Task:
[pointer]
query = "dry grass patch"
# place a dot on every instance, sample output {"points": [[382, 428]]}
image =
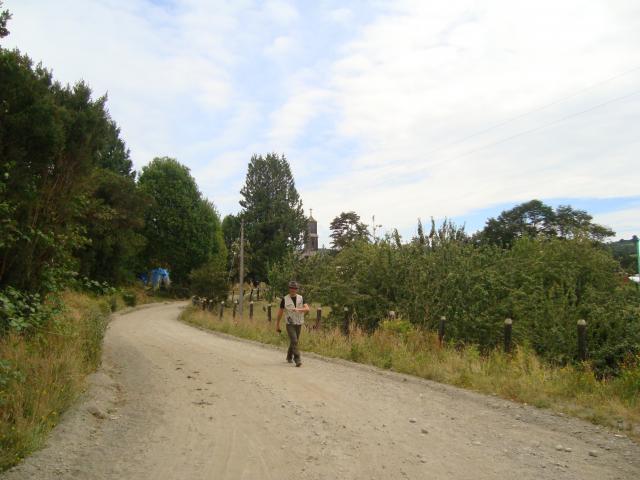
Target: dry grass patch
{"points": [[43, 373]]}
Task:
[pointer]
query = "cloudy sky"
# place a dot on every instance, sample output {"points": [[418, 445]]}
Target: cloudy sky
{"points": [[398, 109]]}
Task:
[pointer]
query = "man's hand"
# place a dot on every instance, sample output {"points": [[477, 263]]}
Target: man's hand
{"points": [[278, 328], [304, 309]]}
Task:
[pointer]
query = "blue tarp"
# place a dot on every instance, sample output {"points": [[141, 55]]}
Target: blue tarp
{"points": [[158, 276]]}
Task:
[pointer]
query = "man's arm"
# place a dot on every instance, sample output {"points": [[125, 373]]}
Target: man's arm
{"points": [[304, 309]]}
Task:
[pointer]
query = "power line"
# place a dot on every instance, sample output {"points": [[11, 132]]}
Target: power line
{"points": [[534, 110], [542, 127]]}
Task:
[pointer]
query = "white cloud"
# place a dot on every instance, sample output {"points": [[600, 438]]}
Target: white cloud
{"points": [[282, 12], [428, 73], [281, 46], [370, 116], [289, 121], [625, 222], [155, 64], [341, 15]]}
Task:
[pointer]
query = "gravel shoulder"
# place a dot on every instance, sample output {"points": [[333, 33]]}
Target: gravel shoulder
{"points": [[173, 402]]}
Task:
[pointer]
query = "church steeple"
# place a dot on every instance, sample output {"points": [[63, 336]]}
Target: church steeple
{"points": [[311, 241]]}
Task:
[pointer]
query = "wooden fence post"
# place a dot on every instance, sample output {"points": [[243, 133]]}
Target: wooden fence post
{"points": [[269, 312], [345, 324], [508, 324], [251, 308], [582, 340], [441, 329], [235, 307], [204, 303], [318, 317], [221, 310]]}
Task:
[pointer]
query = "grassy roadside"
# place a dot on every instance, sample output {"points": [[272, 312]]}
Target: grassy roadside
{"points": [[42, 374], [521, 377]]}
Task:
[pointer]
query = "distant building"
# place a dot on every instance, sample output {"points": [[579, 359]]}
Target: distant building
{"points": [[311, 239]]}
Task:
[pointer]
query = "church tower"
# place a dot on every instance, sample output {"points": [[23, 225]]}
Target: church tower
{"points": [[311, 242]]}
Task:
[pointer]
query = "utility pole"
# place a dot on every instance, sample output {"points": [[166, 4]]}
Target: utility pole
{"points": [[374, 227], [637, 240], [241, 275]]}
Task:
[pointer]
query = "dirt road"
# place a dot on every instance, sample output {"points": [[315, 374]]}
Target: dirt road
{"points": [[174, 402]]}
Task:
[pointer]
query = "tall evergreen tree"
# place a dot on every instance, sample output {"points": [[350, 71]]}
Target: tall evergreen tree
{"points": [[5, 16], [49, 139], [272, 210]]}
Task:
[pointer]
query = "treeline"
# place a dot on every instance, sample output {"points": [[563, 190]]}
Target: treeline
{"points": [[543, 271], [73, 212]]}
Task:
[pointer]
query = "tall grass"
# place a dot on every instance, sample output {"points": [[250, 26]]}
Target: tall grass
{"points": [[521, 376], [43, 373]]}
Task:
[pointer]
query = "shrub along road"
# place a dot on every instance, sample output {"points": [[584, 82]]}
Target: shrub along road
{"points": [[173, 402]]}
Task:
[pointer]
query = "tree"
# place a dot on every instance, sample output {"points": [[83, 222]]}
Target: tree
{"points": [[49, 139], [346, 229], [5, 16], [571, 223], [182, 228], [114, 224], [272, 210], [230, 229], [114, 154], [210, 280], [536, 219]]}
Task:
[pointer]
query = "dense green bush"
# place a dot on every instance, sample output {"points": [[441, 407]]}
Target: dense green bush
{"points": [[544, 285], [211, 280]]}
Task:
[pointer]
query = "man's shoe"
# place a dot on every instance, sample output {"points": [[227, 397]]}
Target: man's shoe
{"points": [[298, 364], [289, 360]]}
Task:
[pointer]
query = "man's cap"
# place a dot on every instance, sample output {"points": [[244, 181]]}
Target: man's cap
{"points": [[293, 284]]}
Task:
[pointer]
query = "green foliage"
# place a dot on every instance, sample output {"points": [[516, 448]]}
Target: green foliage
{"points": [[5, 16], [210, 280], [129, 299], [347, 228], [398, 326], [544, 285], [113, 222], [49, 139], [626, 252], [536, 219], [21, 312], [231, 230], [272, 211], [95, 287], [183, 228]]}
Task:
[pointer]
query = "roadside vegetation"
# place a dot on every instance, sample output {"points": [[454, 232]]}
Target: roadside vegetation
{"points": [[42, 373], [402, 347]]}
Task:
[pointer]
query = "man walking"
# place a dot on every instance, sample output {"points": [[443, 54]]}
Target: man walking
{"points": [[295, 309]]}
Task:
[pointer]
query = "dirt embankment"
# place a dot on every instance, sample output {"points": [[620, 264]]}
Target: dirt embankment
{"points": [[174, 402]]}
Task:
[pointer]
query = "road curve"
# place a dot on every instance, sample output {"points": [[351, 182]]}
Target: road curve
{"points": [[174, 402]]}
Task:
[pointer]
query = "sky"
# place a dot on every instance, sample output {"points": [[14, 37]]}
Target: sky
{"points": [[400, 109]]}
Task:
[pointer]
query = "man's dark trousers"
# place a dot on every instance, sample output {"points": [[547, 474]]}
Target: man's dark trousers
{"points": [[294, 336]]}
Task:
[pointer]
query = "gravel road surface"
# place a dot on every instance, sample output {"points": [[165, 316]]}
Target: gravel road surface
{"points": [[174, 402]]}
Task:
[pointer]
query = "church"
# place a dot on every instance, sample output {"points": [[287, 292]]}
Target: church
{"points": [[311, 237]]}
